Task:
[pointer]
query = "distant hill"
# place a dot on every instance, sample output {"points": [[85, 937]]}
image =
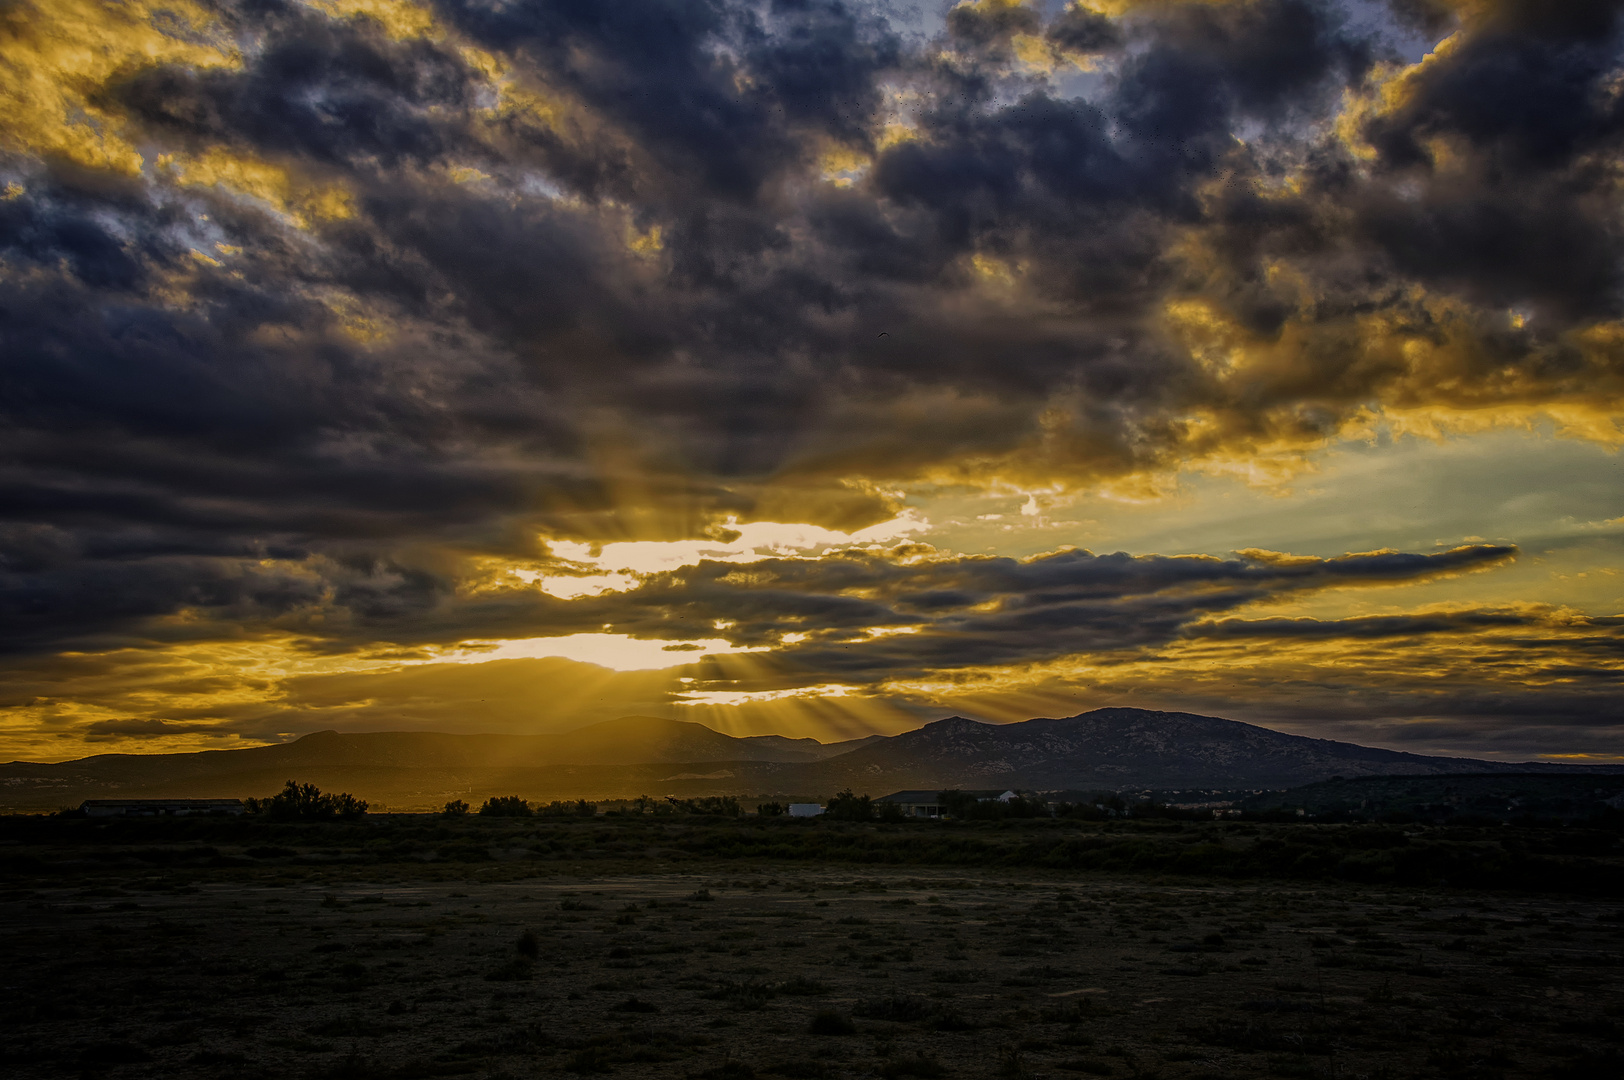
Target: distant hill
{"points": [[1113, 749], [1128, 748], [415, 765]]}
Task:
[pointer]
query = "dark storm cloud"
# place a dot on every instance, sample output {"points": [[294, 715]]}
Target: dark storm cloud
{"points": [[136, 728], [1081, 30], [381, 303], [332, 93], [1531, 104]]}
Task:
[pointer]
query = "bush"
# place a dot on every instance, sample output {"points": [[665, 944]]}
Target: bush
{"points": [[966, 807], [637, 1005], [901, 1008], [591, 1059], [505, 806], [578, 808], [307, 802], [456, 808], [772, 809], [849, 807], [921, 1065], [829, 1022], [714, 805]]}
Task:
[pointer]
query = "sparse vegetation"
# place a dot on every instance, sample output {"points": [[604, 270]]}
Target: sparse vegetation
{"points": [[674, 945], [711, 805], [831, 1022], [307, 802], [505, 806], [561, 808], [919, 1065]]}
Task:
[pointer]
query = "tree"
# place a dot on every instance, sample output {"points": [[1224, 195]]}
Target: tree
{"points": [[456, 808], [849, 807], [307, 802], [505, 806], [565, 808], [772, 809]]}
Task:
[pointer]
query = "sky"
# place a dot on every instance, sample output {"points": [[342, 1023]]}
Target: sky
{"points": [[810, 367]]}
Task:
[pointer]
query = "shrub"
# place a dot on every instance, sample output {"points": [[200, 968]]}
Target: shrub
{"points": [[966, 807], [591, 1059], [113, 1053], [714, 805], [743, 995], [505, 806], [902, 1008], [456, 808], [890, 813], [307, 802], [636, 1005], [564, 808], [772, 809], [519, 969], [922, 1065], [830, 1022], [727, 1070], [801, 986]]}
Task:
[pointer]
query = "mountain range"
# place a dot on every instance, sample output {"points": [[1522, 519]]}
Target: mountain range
{"points": [[1107, 749]]}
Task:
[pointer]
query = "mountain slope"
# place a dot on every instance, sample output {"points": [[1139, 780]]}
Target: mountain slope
{"points": [[433, 757], [1122, 748]]}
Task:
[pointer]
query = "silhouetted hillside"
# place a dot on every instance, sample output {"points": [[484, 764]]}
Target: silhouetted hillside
{"points": [[1127, 748], [418, 766], [1111, 749]]}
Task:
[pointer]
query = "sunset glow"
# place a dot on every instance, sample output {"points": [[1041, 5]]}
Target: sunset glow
{"points": [[815, 368]]}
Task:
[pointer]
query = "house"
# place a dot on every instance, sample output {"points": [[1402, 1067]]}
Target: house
{"points": [[928, 804], [804, 809], [159, 807], [920, 804]]}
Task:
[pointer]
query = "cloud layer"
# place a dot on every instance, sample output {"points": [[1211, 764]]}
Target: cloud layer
{"points": [[319, 319]]}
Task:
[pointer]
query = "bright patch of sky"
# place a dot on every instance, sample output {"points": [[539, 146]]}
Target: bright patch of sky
{"points": [[747, 697], [1561, 501], [614, 566], [617, 652]]}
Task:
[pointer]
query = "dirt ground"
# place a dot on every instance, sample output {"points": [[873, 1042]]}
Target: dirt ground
{"points": [[717, 970]]}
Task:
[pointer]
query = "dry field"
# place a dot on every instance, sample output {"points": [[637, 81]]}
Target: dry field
{"points": [[738, 969]]}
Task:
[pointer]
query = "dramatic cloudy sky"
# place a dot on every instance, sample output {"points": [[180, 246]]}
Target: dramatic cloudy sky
{"points": [[812, 366]]}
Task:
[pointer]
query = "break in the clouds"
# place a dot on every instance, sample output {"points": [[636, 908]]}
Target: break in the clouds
{"points": [[351, 330]]}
